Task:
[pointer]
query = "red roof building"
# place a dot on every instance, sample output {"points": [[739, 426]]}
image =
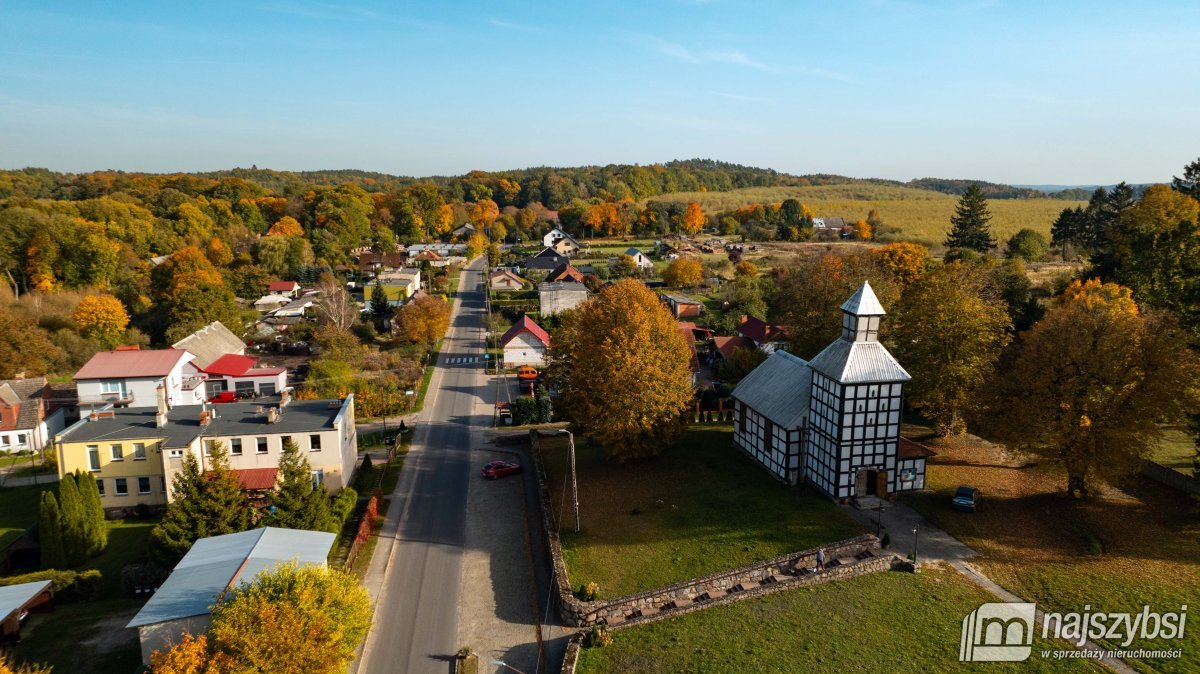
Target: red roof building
{"points": [[129, 364], [760, 332], [525, 325], [283, 287], [725, 346], [257, 479], [525, 343]]}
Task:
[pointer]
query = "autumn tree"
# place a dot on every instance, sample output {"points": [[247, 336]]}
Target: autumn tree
{"points": [[192, 294], [969, 225], [102, 318], [683, 272], [191, 656], [218, 253], [623, 369], [10, 666], [50, 533], [906, 262], [476, 245], [948, 330], [286, 226], [623, 266], [1091, 383], [204, 504], [292, 620], [424, 319], [25, 347], [862, 230], [335, 308], [1189, 184], [745, 269], [693, 219]]}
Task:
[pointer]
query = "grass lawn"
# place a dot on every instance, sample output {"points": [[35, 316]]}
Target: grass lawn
{"points": [[886, 622], [697, 508], [1118, 550], [1176, 451], [91, 636], [19, 510]]}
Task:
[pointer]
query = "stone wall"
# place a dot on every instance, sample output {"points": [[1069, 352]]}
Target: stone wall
{"points": [[571, 658], [1171, 478], [844, 559]]}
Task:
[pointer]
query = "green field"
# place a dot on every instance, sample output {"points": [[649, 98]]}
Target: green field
{"points": [[699, 507], [885, 622], [1176, 451], [921, 215], [19, 510]]}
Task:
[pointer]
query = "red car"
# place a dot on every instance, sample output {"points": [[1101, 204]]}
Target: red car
{"points": [[497, 469], [224, 397]]}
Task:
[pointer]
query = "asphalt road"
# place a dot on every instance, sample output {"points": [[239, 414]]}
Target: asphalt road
{"points": [[416, 614]]}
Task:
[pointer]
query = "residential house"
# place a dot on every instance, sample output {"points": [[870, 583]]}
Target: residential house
{"points": [[640, 258], [724, 346], [297, 308], [26, 420], [210, 343], [682, 306], [833, 422], [431, 257], [565, 272], [130, 378], [370, 263], [463, 232], [546, 260], [503, 279], [399, 286], [211, 568], [829, 223], [765, 337], [271, 302], [135, 453], [286, 288], [561, 242], [437, 254], [555, 298], [525, 343], [242, 375]]}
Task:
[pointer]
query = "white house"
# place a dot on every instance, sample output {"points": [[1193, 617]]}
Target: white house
{"points": [[561, 242], [835, 421], [242, 375], [286, 288], [270, 302], [525, 343], [25, 419], [214, 565], [504, 279], [130, 378], [640, 258]]}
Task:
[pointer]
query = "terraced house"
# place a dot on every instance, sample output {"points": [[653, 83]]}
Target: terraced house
{"points": [[135, 453]]}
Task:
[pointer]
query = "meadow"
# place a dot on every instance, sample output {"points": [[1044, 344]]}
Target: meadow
{"points": [[920, 215]]}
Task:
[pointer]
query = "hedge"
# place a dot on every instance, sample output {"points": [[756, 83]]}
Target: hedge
{"points": [[68, 585]]}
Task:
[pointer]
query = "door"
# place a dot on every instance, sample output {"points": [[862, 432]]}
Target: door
{"points": [[881, 480], [873, 482]]}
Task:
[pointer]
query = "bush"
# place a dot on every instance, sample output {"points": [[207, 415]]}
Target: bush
{"points": [[343, 505], [135, 576], [597, 637], [68, 585], [886, 540], [524, 411]]}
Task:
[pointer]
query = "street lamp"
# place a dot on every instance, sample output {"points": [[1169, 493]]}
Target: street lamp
{"points": [[501, 663]]}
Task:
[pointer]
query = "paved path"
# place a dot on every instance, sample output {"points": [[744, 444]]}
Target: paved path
{"points": [[934, 544]]}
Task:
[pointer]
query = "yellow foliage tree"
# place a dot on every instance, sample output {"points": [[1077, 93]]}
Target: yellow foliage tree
{"points": [[190, 656], [906, 262], [103, 318], [218, 253], [483, 213], [476, 245], [693, 219], [745, 269], [623, 369], [286, 226], [862, 230], [683, 272], [443, 219], [1092, 383], [424, 319]]}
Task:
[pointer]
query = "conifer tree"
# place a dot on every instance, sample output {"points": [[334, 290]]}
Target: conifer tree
{"points": [[379, 301], [291, 498], [182, 523], [50, 533], [74, 524], [95, 526], [970, 223], [223, 500]]}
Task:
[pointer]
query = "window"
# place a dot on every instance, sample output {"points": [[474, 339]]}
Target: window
{"points": [[100, 486], [314, 443], [3, 440], [21, 439], [117, 454], [139, 451], [113, 387], [121, 486], [162, 484], [175, 453], [262, 445], [318, 477], [235, 446], [143, 485], [93, 457], [266, 389], [284, 440], [244, 387]]}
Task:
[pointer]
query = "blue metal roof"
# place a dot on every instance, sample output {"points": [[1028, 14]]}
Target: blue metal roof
{"points": [[13, 597], [215, 564]]}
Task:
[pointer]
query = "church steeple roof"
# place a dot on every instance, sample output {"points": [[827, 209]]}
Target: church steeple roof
{"points": [[863, 302]]}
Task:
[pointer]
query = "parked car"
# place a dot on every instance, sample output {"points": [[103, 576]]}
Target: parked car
{"points": [[966, 499], [527, 373], [224, 397], [497, 469]]}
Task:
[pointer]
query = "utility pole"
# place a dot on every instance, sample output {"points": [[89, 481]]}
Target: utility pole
{"points": [[574, 483]]}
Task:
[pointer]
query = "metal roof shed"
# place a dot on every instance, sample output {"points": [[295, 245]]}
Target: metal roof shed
{"points": [[16, 599]]}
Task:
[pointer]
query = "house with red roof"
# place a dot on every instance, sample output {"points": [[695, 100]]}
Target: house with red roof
{"points": [[525, 343], [131, 377], [241, 374], [764, 336], [285, 288]]}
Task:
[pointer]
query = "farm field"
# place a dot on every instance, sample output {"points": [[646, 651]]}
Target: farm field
{"points": [[1120, 549], [921, 215], [885, 622], [697, 508]]}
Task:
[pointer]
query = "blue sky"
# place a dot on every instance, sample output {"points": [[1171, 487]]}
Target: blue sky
{"points": [[1023, 92]]}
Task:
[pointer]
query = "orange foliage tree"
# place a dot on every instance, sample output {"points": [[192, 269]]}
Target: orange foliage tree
{"points": [[907, 262], [103, 318], [684, 272], [693, 219], [424, 319], [286, 226]]}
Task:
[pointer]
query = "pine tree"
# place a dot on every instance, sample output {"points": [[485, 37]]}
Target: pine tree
{"points": [[182, 523], [74, 523], [95, 526], [970, 223], [50, 533], [223, 501], [318, 514], [291, 499], [379, 301]]}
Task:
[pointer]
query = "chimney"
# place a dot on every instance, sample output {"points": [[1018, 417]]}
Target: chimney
{"points": [[285, 397], [272, 415], [205, 415], [160, 417]]}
